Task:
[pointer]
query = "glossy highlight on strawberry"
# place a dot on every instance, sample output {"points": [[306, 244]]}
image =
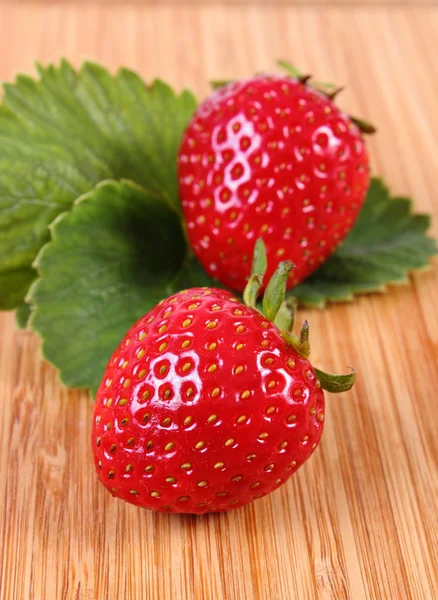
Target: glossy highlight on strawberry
{"points": [[270, 157], [204, 407]]}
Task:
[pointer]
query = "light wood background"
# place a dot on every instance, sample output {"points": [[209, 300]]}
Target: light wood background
{"points": [[360, 519]]}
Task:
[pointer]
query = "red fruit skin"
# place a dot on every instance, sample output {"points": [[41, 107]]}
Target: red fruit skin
{"points": [[272, 158], [203, 407]]}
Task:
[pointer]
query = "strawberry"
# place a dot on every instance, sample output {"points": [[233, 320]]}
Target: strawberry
{"points": [[206, 404], [270, 157]]}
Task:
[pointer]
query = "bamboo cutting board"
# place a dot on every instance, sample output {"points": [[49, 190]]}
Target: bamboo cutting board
{"points": [[360, 519]]}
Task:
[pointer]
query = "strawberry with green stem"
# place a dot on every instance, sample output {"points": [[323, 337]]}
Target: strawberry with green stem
{"points": [[271, 157], [207, 403]]}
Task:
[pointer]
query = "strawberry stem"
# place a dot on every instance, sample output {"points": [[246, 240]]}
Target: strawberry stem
{"points": [[281, 312]]}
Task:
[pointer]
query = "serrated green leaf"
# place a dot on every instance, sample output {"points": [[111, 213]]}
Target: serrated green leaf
{"points": [[385, 245], [61, 135], [111, 259]]}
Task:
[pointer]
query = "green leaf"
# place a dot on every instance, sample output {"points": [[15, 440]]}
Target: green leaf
{"points": [[111, 259], [387, 242], [191, 275], [22, 315], [64, 133]]}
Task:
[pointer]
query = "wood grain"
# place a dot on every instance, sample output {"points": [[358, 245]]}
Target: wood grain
{"points": [[360, 520]]}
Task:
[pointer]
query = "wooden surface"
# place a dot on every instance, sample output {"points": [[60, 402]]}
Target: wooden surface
{"points": [[360, 519]]}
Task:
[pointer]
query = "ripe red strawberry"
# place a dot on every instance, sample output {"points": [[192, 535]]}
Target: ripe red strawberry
{"points": [[204, 407], [270, 157]]}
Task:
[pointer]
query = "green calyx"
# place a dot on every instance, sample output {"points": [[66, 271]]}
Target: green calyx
{"points": [[329, 90], [336, 383], [281, 311]]}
